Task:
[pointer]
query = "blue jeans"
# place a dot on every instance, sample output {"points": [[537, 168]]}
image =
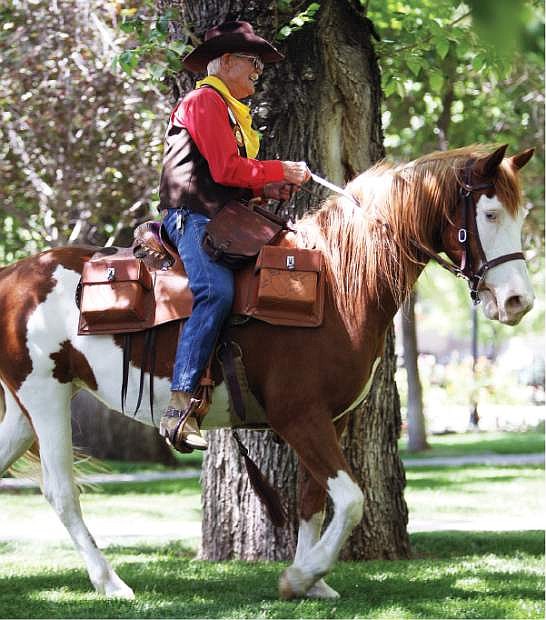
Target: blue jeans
{"points": [[212, 287]]}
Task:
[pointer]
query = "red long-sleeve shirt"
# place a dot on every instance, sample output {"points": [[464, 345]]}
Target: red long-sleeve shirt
{"points": [[203, 112]]}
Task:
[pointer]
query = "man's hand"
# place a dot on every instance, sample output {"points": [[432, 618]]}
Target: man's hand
{"points": [[279, 191], [295, 172]]}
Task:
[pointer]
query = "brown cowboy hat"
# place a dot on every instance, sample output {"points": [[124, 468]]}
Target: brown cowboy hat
{"points": [[227, 38]]}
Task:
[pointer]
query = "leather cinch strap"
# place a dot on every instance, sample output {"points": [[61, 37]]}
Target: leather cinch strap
{"points": [[147, 365], [227, 357]]}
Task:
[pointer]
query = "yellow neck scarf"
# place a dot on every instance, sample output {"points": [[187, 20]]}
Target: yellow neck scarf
{"points": [[241, 112]]}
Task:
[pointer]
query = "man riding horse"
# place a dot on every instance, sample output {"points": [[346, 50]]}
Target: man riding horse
{"points": [[210, 148]]}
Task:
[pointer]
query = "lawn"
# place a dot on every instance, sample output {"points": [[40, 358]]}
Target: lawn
{"points": [[150, 532], [455, 575], [474, 443]]}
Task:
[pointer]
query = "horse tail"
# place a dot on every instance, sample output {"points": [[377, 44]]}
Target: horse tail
{"points": [[2, 403], [28, 466]]}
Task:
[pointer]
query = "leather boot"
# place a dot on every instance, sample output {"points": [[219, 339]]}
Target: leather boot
{"points": [[179, 424]]}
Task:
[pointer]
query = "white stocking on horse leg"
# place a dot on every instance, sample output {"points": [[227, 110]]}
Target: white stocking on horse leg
{"points": [[308, 536], [309, 567], [52, 424]]}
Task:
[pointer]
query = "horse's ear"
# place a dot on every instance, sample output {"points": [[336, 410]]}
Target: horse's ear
{"points": [[519, 160], [487, 166]]}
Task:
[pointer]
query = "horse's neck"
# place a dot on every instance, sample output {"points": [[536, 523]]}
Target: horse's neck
{"points": [[378, 315]]}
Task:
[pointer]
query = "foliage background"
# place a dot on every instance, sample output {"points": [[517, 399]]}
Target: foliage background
{"points": [[84, 102]]}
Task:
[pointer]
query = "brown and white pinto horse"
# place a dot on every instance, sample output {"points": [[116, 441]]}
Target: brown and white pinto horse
{"points": [[306, 379]]}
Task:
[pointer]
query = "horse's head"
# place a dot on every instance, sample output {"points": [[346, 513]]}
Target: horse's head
{"points": [[486, 238]]}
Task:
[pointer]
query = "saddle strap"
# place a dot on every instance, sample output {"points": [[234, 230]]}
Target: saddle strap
{"points": [[148, 364], [227, 358], [267, 494]]}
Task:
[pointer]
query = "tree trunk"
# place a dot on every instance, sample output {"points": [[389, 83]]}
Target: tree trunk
{"points": [[106, 434], [321, 105], [417, 434], [370, 444], [234, 523]]}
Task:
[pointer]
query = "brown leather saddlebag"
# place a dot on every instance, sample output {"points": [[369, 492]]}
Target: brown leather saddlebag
{"points": [[286, 287], [115, 289], [237, 233]]}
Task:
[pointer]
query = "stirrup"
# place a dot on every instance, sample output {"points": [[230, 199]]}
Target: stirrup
{"points": [[172, 435]]}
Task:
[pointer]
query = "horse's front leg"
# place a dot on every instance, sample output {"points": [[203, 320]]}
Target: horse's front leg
{"points": [[312, 499], [315, 441], [48, 405]]}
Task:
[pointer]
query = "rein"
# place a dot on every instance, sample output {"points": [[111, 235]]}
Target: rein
{"points": [[474, 275], [338, 190]]}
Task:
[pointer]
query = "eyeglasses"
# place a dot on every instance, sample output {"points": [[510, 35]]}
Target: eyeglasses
{"points": [[255, 60]]}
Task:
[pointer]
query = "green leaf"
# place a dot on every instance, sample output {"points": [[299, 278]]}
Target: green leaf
{"points": [[479, 62], [389, 88], [180, 47], [174, 60], [284, 6], [162, 24], [156, 71], [128, 25], [442, 47], [414, 65], [128, 61], [284, 33], [436, 80]]}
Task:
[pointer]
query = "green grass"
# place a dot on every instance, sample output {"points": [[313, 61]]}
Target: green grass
{"points": [[463, 444], [455, 575], [190, 461], [485, 495], [460, 444]]}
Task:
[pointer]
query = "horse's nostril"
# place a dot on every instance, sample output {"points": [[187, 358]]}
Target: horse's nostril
{"points": [[517, 303]]}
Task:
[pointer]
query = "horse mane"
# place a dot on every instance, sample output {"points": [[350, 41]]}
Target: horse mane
{"points": [[370, 250]]}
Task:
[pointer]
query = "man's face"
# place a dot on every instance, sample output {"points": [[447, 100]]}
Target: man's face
{"points": [[242, 73]]}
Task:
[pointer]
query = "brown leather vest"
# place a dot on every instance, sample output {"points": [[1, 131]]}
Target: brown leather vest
{"points": [[186, 180]]}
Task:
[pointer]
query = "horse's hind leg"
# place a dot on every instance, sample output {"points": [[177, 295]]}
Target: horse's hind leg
{"points": [[50, 414], [317, 446], [16, 434]]}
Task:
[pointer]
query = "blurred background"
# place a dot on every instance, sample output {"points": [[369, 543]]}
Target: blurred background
{"points": [[85, 95]]}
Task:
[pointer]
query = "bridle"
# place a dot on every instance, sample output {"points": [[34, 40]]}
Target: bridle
{"points": [[474, 274]]}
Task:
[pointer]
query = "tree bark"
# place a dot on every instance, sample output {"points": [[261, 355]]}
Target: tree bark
{"points": [[321, 105], [106, 434], [417, 434]]}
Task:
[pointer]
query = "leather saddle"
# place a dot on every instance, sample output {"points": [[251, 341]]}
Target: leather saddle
{"points": [[124, 290]]}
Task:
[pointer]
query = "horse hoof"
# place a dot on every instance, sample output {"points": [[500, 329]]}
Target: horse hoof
{"points": [[125, 592], [117, 589], [321, 590], [291, 584]]}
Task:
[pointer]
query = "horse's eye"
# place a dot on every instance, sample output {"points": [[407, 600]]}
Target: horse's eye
{"points": [[491, 216]]}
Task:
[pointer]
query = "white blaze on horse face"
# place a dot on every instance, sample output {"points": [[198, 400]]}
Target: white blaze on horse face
{"points": [[508, 295]]}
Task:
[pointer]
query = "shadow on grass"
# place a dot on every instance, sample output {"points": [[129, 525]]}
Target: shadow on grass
{"points": [[470, 576], [453, 544], [184, 486], [449, 477]]}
